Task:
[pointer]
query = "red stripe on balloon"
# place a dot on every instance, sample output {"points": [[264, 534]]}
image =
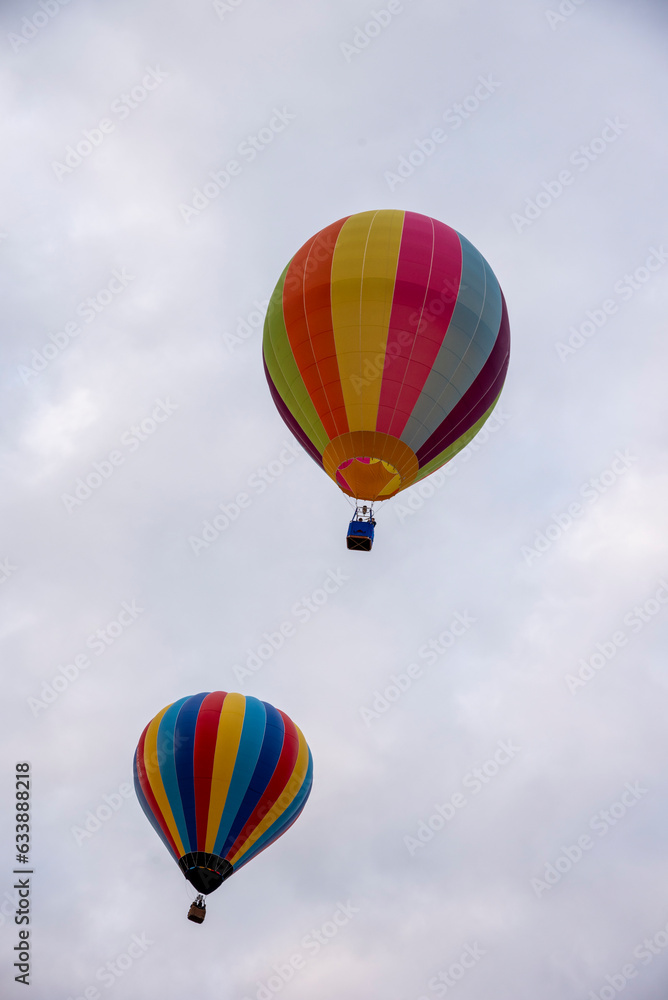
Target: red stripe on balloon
{"points": [[425, 294], [206, 733]]}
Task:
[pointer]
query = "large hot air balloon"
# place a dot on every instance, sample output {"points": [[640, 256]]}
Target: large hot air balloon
{"points": [[220, 777], [386, 345]]}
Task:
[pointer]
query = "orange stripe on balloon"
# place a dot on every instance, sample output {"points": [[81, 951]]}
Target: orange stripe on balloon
{"points": [[307, 313]]}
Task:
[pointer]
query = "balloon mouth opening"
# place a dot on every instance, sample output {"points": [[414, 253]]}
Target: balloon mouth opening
{"points": [[205, 872], [370, 465], [368, 478]]}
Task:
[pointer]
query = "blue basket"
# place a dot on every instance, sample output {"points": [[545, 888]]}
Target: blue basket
{"points": [[360, 535]]}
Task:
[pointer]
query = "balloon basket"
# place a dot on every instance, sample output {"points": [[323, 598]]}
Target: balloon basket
{"points": [[197, 911], [360, 530]]}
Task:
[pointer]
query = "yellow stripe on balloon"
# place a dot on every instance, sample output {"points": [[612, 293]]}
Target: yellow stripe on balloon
{"points": [[152, 768], [364, 270], [287, 796], [228, 737]]}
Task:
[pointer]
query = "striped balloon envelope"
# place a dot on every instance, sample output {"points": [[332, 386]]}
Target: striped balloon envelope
{"points": [[386, 346], [220, 777]]}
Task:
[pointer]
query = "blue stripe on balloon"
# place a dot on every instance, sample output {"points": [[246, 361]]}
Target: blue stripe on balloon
{"points": [[250, 744], [272, 745], [165, 751], [285, 820], [184, 755]]}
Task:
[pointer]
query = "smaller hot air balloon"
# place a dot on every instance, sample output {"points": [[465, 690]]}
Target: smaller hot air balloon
{"points": [[220, 776], [385, 347]]}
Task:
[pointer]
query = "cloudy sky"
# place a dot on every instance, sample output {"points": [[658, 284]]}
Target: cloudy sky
{"points": [[498, 828]]}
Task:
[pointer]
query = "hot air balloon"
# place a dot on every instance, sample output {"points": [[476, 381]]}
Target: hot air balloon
{"points": [[220, 776], [385, 347]]}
